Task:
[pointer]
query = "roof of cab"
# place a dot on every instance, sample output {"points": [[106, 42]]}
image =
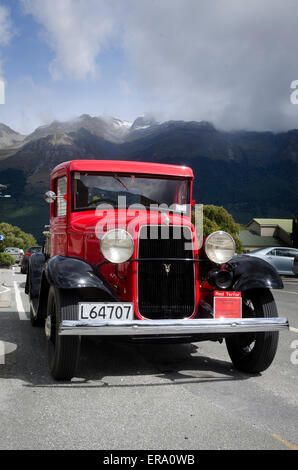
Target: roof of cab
{"points": [[124, 167]]}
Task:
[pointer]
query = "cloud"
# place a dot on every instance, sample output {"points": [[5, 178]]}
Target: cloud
{"points": [[226, 61], [125, 87], [6, 29], [76, 30], [31, 104]]}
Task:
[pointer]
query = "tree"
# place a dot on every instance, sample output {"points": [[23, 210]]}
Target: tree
{"points": [[295, 232], [218, 218], [6, 259], [15, 237]]}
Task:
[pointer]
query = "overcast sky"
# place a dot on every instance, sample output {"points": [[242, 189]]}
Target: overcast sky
{"points": [[230, 62]]}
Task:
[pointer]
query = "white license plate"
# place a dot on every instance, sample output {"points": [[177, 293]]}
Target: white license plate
{"points": [[98, 312]]}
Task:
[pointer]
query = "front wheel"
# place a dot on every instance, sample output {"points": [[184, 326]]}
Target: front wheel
{"points": [[63, 351], [254, 352], [36, 318]]}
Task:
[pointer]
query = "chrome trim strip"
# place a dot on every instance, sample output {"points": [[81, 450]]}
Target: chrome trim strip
{"points": [[164, 327]]}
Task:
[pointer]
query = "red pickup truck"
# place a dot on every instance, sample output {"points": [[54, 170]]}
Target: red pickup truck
{"points": [[122, 259]]}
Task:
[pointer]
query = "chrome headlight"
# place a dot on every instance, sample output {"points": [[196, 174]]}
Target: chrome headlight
{"points": [[117, 246], [220, 247]]}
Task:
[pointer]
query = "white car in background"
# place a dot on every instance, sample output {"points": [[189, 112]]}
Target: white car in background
{"points": [[283, 259], [17, 253]]}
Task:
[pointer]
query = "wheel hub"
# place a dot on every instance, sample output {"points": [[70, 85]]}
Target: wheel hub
{"points": [[48, 327]]}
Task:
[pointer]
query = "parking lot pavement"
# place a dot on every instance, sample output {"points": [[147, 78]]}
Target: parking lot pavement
{"points": [[141, 396]]}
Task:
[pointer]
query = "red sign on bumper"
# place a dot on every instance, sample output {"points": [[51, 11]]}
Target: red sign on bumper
{"points": [[227, 304]]}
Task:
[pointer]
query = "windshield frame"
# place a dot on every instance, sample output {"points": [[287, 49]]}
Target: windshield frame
{"points": [[187, 180]]}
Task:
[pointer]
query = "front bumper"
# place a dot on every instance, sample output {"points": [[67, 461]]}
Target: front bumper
{"points": [[169, 327]]}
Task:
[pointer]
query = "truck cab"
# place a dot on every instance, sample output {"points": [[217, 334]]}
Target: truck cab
{"points": [[123, 258]]}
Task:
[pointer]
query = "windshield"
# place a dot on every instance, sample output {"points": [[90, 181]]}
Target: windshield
{"points": [[91, 190], [34, 249]]}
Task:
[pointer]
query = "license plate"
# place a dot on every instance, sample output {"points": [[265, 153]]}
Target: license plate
{"points": [[107, 312], [227, 304]]}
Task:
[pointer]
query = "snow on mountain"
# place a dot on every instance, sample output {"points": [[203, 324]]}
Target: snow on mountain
{"points": [[109, 128], [143, 122]]}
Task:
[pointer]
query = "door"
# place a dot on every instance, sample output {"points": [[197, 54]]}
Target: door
{"points": [[59, 219], [281, 260]]}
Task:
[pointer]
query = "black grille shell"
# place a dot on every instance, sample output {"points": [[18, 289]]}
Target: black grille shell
{"points": [[162, 294]]}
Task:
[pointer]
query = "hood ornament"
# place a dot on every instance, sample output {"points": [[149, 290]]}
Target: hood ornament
{"points": [[167, 268]]}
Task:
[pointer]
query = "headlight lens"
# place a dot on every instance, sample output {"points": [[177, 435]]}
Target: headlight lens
{"points": [[117, 246], [220, 247]]}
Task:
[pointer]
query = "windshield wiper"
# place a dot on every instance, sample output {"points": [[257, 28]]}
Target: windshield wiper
{"points": [[121, 182]]}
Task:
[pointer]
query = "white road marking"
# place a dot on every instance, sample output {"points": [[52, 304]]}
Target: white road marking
{"points": [[5, 349], [295, 330], [5, 289], [20, 307]]}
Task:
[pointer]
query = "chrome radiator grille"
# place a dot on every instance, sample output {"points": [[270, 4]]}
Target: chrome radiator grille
{"points": [[166, 289]]}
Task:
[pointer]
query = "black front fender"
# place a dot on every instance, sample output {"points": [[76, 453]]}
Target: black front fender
{"points": [[35, 266], [72, 273], [250, 272]]}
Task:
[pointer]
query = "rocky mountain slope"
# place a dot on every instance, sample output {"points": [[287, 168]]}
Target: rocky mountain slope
{"points": [[9, 137], [109, 128], [250, 173]]}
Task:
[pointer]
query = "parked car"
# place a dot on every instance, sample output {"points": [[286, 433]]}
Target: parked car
{"points": [[26, 256], [123, 261], [17, 253], [284, 260]]}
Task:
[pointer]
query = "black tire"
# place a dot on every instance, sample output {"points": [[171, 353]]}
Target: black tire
{"points": [[254, 352], [63, 351], [36, 320], [27, 284]]}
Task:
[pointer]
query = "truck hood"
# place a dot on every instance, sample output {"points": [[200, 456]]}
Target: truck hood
{"points": [[99, 222]]}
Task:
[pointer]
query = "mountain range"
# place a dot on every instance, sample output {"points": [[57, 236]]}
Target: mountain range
{"points": [[252, 174]]}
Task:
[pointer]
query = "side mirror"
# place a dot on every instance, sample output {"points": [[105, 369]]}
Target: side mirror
{"points": [[50, 197]]}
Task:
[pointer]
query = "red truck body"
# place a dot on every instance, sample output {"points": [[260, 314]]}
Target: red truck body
{"points": [[123, 259]]}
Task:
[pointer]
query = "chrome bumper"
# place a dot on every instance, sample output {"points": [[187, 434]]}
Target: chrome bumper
{"points": [[169, 327]]}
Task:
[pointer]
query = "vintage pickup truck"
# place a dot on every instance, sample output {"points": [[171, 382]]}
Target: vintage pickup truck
{"points": [[122, 260]]}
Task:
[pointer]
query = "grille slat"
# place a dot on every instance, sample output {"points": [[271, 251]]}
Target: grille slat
{"points": [[163, 295]]}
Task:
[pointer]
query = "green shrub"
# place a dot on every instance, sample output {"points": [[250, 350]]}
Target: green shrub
{"points": [[218, 218], [6, 259], [15, 237]]}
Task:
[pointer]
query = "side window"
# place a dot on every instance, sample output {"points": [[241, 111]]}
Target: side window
{"points": [[287, 253], [293, 253], [281, 253], [61, 191]]}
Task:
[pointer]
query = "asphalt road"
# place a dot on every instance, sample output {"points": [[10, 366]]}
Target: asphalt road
{"points": [[144, 396]]}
